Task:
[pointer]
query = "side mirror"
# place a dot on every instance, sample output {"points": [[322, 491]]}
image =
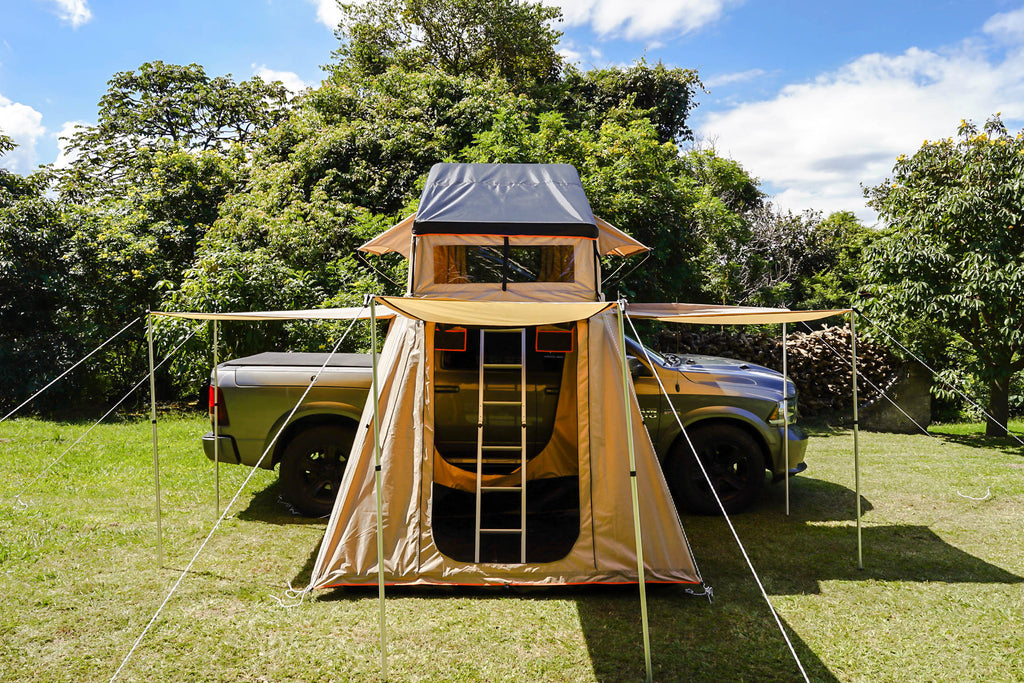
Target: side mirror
{"points": [[637, 369]]}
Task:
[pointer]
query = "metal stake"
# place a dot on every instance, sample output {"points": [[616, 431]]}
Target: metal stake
{"points": [[379, 487], [636, 505], [156, 452], [856, 441], [785, 415]]}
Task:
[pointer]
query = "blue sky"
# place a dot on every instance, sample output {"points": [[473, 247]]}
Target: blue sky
{"points": [[813, 98]]}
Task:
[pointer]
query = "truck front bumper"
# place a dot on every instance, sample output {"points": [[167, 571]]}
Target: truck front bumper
{"points": [[797, 449], [225, 451]]}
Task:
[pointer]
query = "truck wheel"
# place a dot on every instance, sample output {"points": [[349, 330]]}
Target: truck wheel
{"points": [[733, 461], [312, 465]]}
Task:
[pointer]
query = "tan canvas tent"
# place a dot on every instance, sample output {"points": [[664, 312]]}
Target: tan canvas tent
{"points": [[502, 250]]}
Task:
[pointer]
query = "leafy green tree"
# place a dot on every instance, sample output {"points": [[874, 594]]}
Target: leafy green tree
{"points": [[161, 107], [458, 37], [954, 249], [666, 95], [33, 284]]}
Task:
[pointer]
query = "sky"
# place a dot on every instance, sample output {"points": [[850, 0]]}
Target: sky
{"points": [[815, 99]]}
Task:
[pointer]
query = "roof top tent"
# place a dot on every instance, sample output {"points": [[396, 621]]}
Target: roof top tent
{"points": [[505, 416], [507, 232]]}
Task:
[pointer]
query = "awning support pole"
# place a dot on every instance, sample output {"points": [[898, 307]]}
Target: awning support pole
{"points": [[216, 423], [856, 440], [379, 488], [636, 504], [156, 452], [785, 415]]}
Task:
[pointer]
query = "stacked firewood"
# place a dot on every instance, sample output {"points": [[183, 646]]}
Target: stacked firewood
{"points": [[818, 362]]}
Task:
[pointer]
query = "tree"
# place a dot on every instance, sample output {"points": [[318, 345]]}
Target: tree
{"points": [[457, 37], [953, 252], [160, 107], [667, 95], [33, 282]]}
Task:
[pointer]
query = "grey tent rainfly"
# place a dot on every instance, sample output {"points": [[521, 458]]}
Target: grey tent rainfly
{"points": [[506, 258]]}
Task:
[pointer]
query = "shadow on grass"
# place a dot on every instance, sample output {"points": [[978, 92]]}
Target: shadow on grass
{"points": [[818, 542], [1003, 444], [268, 506], [691, 639]]}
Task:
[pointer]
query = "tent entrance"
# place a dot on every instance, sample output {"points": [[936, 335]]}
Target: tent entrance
{"points": [[506, 475]]}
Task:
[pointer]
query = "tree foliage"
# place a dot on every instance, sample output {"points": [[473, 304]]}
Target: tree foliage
{"points": [[165, 106], [666, 95], [954, 250], [511, 38]]}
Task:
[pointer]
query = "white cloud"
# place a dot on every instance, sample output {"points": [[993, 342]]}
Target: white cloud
{"points": [[816, 142], [290, 79], [75, 12], [24, 125], [328, 13], [636, 20], [64, 156], [1008, 25], [736, 77], [570, 55]]}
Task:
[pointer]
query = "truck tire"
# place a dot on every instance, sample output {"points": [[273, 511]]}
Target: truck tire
{"points": [[733, 460], [312, 466]]}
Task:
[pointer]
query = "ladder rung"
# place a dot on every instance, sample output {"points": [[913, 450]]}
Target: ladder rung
{"points": [[507, 330], [502, 461], [501, 531], [501, 488], [503, 366], [516, 448], [503, 403]]}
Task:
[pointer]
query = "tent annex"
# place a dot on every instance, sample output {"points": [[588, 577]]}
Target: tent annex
{"points": [[455, 520]]}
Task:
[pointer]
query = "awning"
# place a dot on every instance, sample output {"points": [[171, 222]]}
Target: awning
{"points": [[350, 313], [494, 313], [610, 240], [703, 314]]}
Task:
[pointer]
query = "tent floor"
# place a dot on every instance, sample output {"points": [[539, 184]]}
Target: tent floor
{"points": [[552, 522]]}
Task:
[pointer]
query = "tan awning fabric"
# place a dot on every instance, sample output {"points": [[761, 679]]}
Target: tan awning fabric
{"points": [[350, 313], [494, 313], [397, 239], [703, 314], [612, 241]]}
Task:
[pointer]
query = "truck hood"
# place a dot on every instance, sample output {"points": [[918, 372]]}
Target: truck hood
{"points": [[725, 373]]}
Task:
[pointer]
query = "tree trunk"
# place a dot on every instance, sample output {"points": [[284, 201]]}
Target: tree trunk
{"points": [[999, 405]]}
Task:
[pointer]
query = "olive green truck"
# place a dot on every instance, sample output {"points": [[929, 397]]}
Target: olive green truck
{"points": [[732, 411]]}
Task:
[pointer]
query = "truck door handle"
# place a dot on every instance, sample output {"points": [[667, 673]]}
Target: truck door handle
{"points": [[446, 389]]}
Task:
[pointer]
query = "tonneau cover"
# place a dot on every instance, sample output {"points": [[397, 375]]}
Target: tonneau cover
{"points": [[282, 359]]}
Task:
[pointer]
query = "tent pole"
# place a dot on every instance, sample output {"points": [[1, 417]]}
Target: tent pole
{"points": [[856, 440], [156, 452], [785, 416], [216, 423], [379, 488], [636, 505]]}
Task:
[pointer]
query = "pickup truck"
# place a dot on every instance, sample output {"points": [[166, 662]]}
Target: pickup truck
{"points": [[732, 411]]}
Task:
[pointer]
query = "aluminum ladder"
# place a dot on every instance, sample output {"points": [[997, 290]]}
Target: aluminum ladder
{"points": [[504, 454]]}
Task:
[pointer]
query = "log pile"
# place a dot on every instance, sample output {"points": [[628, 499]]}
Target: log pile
{"points": [[819, 362]]}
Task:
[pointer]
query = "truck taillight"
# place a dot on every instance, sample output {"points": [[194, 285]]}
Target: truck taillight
{"points": [[217, 406]]}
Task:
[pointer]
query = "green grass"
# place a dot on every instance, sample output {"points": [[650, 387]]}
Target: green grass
{"points": [[941, 596]]}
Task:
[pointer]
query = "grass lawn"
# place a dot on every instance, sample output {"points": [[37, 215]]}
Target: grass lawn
{"points": [[941, 597]]}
